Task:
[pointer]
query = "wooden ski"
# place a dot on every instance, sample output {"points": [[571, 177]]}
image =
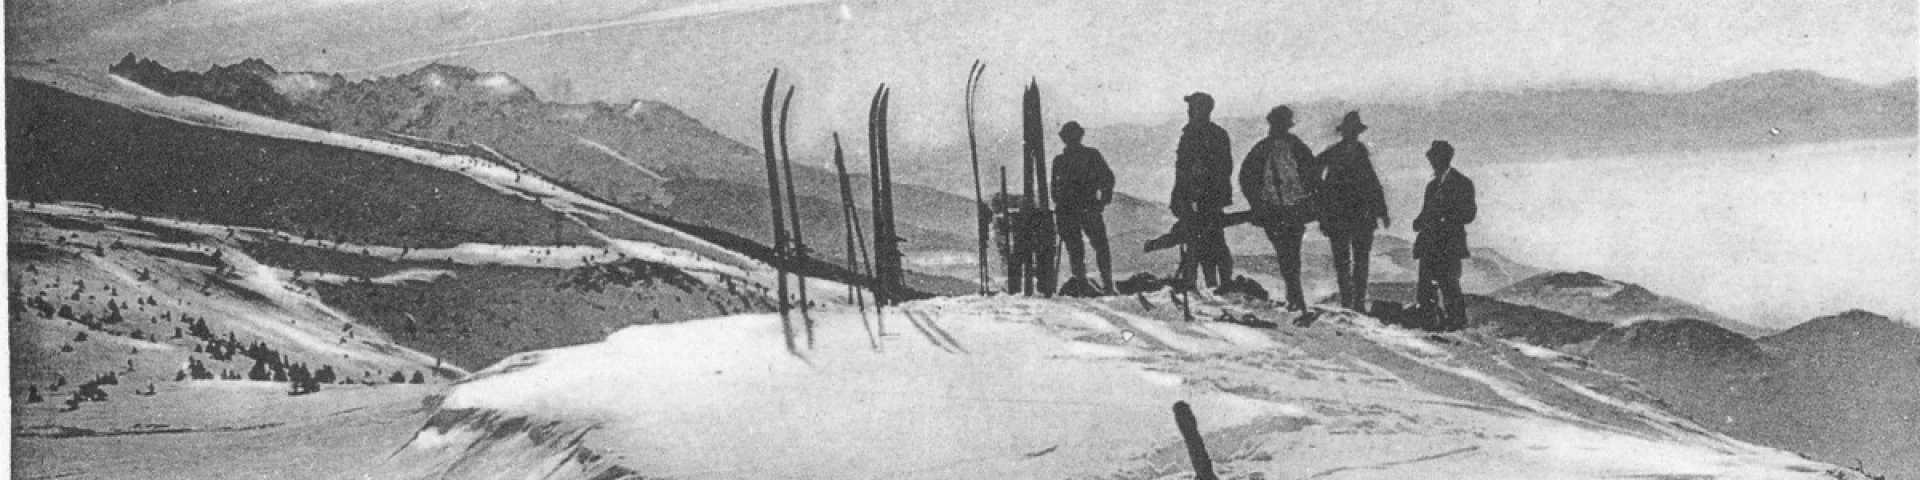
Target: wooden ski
{"points": [[888, 243], [796, 247], [873, 179], [973, 148], [851, 215], [773, 202]]}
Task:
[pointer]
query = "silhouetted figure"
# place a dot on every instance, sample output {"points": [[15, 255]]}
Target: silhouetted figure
{"points": [[1276, 179], [1442, 240], [1082, 188], [1351, 204], [1202, 189]]}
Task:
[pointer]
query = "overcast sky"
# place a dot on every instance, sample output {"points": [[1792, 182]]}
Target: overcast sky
{"points": [[1099, 62]]}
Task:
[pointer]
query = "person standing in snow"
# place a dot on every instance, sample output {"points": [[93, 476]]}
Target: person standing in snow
{"points": [[1441, 242], [1275, 179], [1202, 190], [1082, 188], [1352, 204]]}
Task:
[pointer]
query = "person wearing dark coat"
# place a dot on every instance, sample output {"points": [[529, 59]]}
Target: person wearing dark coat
{"points": [[1202, 190], [1277, 179], [1082, 188], [1351, 203], [1441, 242]]}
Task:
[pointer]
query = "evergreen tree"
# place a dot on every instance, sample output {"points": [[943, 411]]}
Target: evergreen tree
{"points": [[417, 378], [80, 337], [33, 394], [259, 372], [397, 377]]}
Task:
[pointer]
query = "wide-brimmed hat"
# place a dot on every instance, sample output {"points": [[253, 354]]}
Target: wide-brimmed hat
{"points": [[1351, 123], [1072, 129]]}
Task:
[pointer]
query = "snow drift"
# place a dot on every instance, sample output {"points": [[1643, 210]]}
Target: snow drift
{"points": [[1003, 387]]}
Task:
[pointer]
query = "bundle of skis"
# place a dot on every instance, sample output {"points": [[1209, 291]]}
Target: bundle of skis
{"points": [[1031, 243]]}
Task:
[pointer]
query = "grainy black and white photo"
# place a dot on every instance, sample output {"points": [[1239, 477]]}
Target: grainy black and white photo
{"points": [[949, 239]]}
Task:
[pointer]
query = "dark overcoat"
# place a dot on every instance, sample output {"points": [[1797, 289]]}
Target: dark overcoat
{"points": [[1444, 216]]}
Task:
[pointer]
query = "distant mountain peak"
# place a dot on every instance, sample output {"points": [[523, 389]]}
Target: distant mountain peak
{"points": [[1594, 297], [1576, 280], [444, 79], [1794, 83]]}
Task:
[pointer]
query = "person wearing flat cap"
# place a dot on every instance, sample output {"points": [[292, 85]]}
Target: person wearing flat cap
{"points": [[1351, 204], [1441, 241], [1082, 188], [1202, 190]]}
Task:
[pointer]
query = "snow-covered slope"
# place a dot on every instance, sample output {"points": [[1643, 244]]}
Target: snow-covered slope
{"points": [[164, 277], [501, 178], [1003, 387]]}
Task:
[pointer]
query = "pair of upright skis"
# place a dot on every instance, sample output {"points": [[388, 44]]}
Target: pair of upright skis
{"points": [[789, 248]]}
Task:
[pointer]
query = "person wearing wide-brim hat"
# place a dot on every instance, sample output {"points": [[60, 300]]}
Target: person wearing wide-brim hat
{"points": [[1351, 204], [1082, 187]]}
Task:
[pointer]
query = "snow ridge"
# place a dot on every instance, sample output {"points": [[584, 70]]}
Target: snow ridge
{"points": [[1005, 387]]}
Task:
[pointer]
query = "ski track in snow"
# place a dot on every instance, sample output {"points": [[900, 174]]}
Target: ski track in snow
{"points": [[623, 158]]}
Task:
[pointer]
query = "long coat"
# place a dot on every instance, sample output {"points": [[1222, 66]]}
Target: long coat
{"points": [[1202, 169], [1351, 197], [1444, 216]]}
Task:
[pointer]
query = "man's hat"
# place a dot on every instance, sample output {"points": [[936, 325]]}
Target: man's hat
{"points": [[1200, 98], [1351, 123], [1072, 129], [1283, 111]]}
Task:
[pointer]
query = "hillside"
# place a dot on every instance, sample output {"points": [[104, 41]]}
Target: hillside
{"points": [[331, 214], [644, 156], [1600, 299], [1778, 390]]}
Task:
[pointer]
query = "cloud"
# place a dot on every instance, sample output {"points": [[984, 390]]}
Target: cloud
{"points": [[687, 12]]}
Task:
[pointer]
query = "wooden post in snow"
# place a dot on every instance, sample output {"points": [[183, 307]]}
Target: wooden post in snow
{"points": [[1196, 448]]}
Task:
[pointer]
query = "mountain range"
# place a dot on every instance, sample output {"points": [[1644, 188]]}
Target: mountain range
{"points": [[1771, 108], [1781, 389]]}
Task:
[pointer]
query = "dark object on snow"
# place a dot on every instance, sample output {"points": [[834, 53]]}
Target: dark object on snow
{"points": [[1246, 320], [1415, 317], [1306, 319], [1244, 287], [1196, 447], [1190, 229], [1140, 283], [1080, 287]]}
